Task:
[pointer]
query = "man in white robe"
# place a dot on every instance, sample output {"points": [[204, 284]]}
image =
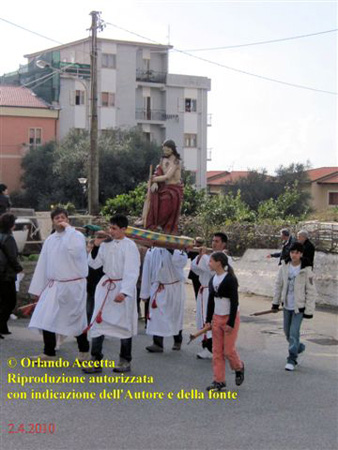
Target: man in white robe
{"points": [[163, 282], [200, 266], [60, 283], [115, 310]]}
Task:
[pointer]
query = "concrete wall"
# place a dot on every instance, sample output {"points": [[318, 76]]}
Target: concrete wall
{"points": [[256, 274]]}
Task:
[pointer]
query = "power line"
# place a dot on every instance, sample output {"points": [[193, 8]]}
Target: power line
{"points": [[262, 42], [244, 72], [30, 31]]}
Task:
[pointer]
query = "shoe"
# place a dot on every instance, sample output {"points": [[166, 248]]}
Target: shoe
{"points": [[154, 349], [5, 332], [13, 317], [177, 346], [43, 357], [122, 367], [290, 367], [204, 354], [92, 369], [83, 356], [216, 386], [1, 336], [239, 376]]}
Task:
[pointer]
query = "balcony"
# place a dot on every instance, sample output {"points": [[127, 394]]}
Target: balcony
{"points": [[157, 115], [151, 76]]}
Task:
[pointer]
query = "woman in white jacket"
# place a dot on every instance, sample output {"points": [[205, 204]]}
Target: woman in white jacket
{"points": [[295, 289]]}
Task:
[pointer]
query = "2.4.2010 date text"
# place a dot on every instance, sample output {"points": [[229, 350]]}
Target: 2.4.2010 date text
{"points": [[31, 428]]}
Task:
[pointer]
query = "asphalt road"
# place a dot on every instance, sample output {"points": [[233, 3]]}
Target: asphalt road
{"points": [[274, 409]]}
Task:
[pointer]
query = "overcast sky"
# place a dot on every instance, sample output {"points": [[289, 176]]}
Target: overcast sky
{"points": [[256, 123]]}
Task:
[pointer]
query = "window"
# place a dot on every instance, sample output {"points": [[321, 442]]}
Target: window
{"points": [[79, 97], [333, 198], [190, 140], [190, 105], [107, 99], [108, 60], [35, 136]]}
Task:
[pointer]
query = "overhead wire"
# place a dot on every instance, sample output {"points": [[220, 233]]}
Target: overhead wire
{"points": [[272, 41], [30, 31], [244, 72], [184, 52]]}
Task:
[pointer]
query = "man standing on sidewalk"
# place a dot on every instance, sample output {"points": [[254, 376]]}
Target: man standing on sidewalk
{"points": [[60, 283]]}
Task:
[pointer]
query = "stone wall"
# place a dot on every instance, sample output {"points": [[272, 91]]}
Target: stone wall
{"points": [[256, 274]]}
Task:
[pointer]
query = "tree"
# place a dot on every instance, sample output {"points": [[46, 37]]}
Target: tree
{"points": [[259, 187], [38, 177], [51, 171]]}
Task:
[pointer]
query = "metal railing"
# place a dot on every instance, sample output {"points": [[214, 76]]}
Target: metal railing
{"points": [[150, 114], [151, 76]]}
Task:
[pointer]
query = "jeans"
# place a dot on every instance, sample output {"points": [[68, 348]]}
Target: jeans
{"points": [[125, 348], [292, 323]]}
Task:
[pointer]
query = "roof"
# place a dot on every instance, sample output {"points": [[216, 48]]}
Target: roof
{"points": [[323, 172], [88, 39], [19, 96], [219, 178]]}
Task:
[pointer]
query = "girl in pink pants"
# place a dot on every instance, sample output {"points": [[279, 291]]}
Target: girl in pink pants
{"points": [[223, 317]]}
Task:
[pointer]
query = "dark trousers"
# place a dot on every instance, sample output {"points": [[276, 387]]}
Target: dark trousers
{"points": [[90, 306], [125, 348], [158, 340], [7, 302], [49, 340]]}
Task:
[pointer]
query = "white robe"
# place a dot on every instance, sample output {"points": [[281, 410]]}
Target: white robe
{"points": [[62, 304], [201, 268], [162, 267], [121, 261]]}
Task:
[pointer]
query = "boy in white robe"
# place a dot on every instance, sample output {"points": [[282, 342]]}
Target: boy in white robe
{"points": [[200, 266], [60, 283], [115, 310], [163, 282]]}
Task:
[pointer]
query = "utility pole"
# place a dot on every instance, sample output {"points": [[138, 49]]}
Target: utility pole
{"points": [[93, 170]]}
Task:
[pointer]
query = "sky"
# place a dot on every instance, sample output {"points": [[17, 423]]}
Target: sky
{"points": [[256, 123]]}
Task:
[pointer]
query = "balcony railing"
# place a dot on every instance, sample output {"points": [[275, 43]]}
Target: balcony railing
{"points": [[151, 76], [150, 114]]}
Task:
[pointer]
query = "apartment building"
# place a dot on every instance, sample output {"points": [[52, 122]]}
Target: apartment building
{"points": [[134, 89]]}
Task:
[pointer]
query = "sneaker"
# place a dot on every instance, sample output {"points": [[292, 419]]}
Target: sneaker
{"points": [[83, 356], [177, 346], [239, 376], [92, 369], [154, 349], [43, 357], [216, 386], [290, 367], [122, 366], [13, 317], [204, 354]]}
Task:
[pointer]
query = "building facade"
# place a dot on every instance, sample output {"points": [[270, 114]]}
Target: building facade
{"points": [[25, 122], [134, 90]]}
